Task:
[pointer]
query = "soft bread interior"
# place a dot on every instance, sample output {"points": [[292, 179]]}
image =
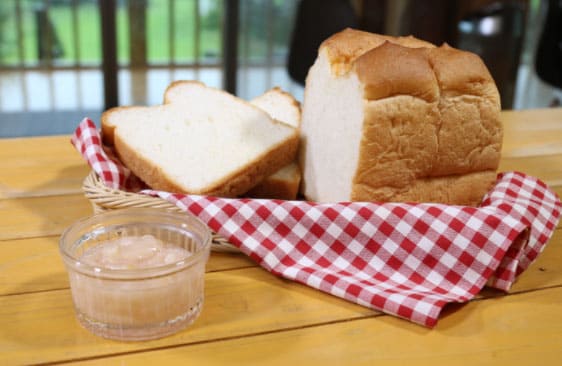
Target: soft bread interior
{"points": [[280, 106], [332, 113], [202, 139], [284, 183]]}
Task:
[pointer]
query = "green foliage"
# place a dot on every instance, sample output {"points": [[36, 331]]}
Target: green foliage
{"points": [[6, 44], [263, 20], [187, 47], [212, 19]]}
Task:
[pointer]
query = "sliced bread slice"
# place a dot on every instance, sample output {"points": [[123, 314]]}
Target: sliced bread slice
{"points": [[201, 141], [284, 184], [280, 105], [114, 116]]}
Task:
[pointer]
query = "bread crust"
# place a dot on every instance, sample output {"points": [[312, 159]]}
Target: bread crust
{"points": [[431, 130], [435, 114], [399, 71], [346, 46], [278, 187], [462, 190]]}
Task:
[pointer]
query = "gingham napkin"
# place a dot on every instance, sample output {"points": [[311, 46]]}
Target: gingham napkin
{"points": [[407, 260]]}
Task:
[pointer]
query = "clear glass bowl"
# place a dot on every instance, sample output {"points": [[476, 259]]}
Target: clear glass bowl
{"points": [[137, 303]]}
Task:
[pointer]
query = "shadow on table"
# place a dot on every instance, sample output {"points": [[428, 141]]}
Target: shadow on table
{"points": [[48, 209]]}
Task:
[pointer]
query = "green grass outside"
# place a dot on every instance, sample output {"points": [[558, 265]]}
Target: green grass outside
{"points": [[88, 33], [184, 17], [253, 39]]}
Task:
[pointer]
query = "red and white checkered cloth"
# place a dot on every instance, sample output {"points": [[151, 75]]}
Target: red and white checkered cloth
{"points": [[407, 260]]}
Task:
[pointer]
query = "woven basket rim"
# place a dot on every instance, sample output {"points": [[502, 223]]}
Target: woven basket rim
{"points": [[105, 198]]}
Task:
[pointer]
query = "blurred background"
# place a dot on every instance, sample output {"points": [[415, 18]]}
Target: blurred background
{"points": [[61, 60]]}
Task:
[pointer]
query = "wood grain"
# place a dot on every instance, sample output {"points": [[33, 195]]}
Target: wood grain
{"points": [[513, 330], [41, 327], [40, 166], [532, 133], [238, 303], [547, 168], [40, 216], [33, 265]]}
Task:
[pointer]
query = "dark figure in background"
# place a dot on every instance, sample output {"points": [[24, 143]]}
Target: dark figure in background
{"points": [[316, 20], [549, 51]]}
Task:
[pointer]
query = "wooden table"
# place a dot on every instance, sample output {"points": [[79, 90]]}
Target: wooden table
{"points": [[251, 316]]}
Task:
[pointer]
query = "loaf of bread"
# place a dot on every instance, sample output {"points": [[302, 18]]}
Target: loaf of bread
{"points": [[283, 184], [398, 119], [200, 141]]}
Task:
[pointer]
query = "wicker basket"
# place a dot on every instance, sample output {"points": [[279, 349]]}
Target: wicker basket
{"points": [[104, 198]]}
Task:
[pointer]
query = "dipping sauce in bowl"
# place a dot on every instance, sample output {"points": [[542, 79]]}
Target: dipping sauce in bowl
{"points": [[136, 274]]}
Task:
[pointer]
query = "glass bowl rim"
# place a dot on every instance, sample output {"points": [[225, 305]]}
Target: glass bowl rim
{"points": [[73, 262]]}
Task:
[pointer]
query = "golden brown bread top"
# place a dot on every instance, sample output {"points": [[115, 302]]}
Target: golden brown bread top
{"points": [[462, 73], [346, 46], [384, 77], [423, 71]]}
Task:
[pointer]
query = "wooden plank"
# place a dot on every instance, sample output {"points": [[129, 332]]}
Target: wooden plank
{"points": [[41, 327], [532, 119], [238, 303], [40, 166], [533, 144], [40, 216], [513, 330], [548, 168], [532, 133], [32, 265]]}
